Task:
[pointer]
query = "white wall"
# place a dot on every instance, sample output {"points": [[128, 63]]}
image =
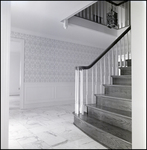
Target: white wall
{"points": [[49, 68], [138, 44], [5, 52]]}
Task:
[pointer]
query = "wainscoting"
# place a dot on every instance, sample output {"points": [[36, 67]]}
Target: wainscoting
{"points": [[47, 94]]}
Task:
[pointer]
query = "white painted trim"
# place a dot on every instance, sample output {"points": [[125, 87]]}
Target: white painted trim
{"points": [[46, 94], [21, 71], [138, 49], [5, 64], [48, 104]]}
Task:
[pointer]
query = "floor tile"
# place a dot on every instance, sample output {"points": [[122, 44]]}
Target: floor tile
{"points": [[47, 128]]}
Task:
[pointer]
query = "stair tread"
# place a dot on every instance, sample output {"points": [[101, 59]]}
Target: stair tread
{"points": [[111, 110], [116, 131], [116, 85], [103, 95], [129, 67], [121, 76]]}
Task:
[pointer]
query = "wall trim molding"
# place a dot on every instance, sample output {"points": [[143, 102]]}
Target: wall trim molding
{"points": [[47, 104], [48, 94]]}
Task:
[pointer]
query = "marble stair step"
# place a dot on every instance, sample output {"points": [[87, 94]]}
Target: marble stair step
{"points": [[121, 80], [111, 136], [122, 91], [125, 70], [112, 116], [114, 102]]}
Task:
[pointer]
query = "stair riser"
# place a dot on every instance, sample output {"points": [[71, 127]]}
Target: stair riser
{"points": [[113, 103], [122, 92], [112, 119], [100, 136], [128, 62], [125, 71], [121, 81]]}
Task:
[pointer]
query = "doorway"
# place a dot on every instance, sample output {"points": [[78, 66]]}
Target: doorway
{"points": [[16, 77]]}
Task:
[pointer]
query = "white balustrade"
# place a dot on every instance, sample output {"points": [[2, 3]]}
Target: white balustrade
{"points": [[90, 83]]}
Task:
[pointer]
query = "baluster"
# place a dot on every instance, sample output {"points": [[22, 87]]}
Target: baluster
{"points": [[104, 58], [87, 13], [81, 93], [96, 76], [106, 7], [116, 9], [124, 52], [92, 93], [91, 12], [104, 12], [109, 68], [113, 68], [84, 14], [128, 45], [117, 70], [81, 14], [77, 92], [114, 57], [119, 16], [125, 8], [87, 86], [106, 68], [129, 8], [123, 15], [95, 12], [101, 78], [120, 55], [98, 11], [127, 14], [100, 20], [85, 10]]}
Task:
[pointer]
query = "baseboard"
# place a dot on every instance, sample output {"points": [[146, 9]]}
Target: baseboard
{"points": [[47, 104]]}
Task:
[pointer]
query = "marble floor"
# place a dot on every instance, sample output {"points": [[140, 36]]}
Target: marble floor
{"points": [[47, 128]]}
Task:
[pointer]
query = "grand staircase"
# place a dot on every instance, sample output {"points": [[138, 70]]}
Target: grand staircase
{"points": [[109, 120]]}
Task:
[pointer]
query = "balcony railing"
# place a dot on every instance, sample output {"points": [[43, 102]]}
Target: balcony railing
{"points": [[99, 12]]}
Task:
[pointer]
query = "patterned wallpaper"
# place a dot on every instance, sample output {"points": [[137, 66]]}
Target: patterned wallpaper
{"points": [[50, 60]]}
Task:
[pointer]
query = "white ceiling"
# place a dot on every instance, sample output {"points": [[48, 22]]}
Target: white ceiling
{"points": [[44, 17]]}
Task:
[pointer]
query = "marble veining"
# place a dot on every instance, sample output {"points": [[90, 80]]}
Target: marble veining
{"points": [[47, 128]]}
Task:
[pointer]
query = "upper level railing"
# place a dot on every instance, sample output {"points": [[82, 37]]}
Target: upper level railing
{"points": [[104, 13], [89, 80]]}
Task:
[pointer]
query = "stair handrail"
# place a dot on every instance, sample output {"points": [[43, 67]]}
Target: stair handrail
{"points": [[99, 57]]}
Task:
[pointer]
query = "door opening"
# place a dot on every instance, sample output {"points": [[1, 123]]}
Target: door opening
{"points": [[16, 76]]}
